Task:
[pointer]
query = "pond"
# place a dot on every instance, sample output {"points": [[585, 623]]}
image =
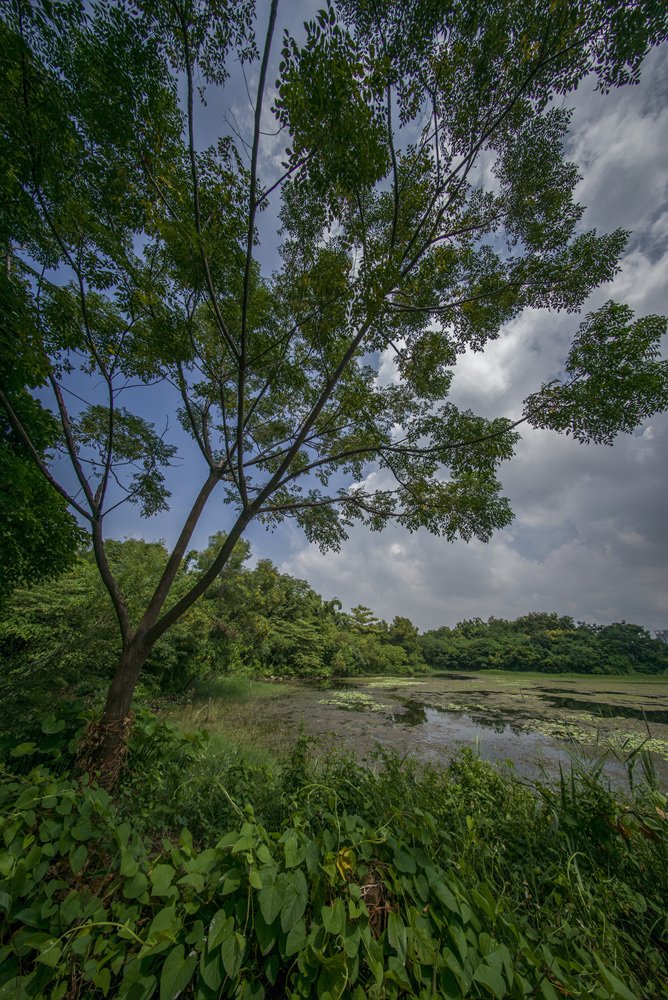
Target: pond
{"points": [[536, 722]]}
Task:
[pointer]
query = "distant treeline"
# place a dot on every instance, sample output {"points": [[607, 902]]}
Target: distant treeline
{"points": [[547, 642], [63, 633]]}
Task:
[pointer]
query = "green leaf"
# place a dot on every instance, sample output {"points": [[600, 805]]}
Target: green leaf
{"points": [[52, 725], [102, 979], [245, 842], [445, 896], [396, 934], [615, 985], [333, 979], [78, 858], [296, 898], [49, 953], [294, 854], [271, 898], [220, 928], [334, 917], [232, 953], [296, 938], [404, 862], [211, 970], [136, 886], [491, 978], [351, 941], [176, 973], [165, 925], [161, 879]]}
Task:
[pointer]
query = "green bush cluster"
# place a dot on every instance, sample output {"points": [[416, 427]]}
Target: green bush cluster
{"points": [[348, 880]]}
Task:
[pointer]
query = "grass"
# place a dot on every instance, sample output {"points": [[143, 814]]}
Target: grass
{"points": [[221, 707]]}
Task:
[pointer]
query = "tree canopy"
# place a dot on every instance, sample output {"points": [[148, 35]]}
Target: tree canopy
{"points": [[132, 258]]}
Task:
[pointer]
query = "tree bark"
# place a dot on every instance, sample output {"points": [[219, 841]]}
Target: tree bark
{"points": [[104, 746]]}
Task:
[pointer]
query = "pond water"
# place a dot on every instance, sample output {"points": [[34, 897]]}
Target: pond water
{"points": [[441, 733], [537, 723]]}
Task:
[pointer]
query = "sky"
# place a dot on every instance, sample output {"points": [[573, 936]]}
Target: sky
{"points": [[590, 536]]}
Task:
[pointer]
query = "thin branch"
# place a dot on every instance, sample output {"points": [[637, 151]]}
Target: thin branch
{"points": [[227, 337], [300, 163], [395, 172], [176, 557], [177, 610], [381, 450], [71, 445], [183, 389], [21, 432], [249, 250], [405, 307]]}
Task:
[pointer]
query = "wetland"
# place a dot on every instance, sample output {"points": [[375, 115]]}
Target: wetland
{"points": [[533, 722]]}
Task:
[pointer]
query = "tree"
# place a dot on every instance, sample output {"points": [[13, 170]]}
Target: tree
{"points": [[39, 538], [134, 254]]}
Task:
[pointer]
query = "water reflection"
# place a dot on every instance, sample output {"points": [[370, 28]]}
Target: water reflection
{"points": [[437, 733], [414, 714], [606, 709]]}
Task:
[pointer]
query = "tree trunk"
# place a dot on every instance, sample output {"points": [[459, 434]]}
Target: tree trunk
{"points": [[104, 745]]}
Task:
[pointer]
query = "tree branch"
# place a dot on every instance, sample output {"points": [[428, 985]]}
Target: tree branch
{"points": [[227, 337], [24, 437], [249, 252]]}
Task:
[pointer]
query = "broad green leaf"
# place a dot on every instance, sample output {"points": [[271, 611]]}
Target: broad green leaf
{"points": [[271, 898], [232, 953], [136, 886], [78, 857], [294, 903], [614, 984], [396, 934], [102, 979], [176, 973], [334, 917], [491, 978], [296, 938], [49, 953], [220, 928], [161, 879], [211, 969]]}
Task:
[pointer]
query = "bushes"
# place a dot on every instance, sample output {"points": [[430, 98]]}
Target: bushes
{"points": [[326, 880]]}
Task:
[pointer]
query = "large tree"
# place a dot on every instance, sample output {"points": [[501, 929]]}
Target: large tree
{"points": [[135, 257]]}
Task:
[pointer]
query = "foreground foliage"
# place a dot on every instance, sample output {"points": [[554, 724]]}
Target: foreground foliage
{"points": [[329, 880]]}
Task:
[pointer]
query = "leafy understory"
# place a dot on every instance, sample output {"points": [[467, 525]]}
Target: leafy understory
{"points": [[327, 881]]}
